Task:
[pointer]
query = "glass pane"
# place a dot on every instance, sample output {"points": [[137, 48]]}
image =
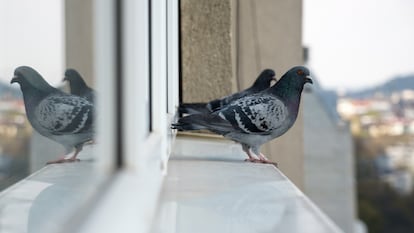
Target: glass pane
{"points": [[40, 122], [35, 40]]}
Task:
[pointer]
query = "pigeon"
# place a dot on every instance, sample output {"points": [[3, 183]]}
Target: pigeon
{"points": [[78, 86], [256, 118], [64, 118], [262, 82]]}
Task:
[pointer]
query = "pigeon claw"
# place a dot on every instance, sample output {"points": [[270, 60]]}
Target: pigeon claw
{"points": [[269, 162], [253, 160]]}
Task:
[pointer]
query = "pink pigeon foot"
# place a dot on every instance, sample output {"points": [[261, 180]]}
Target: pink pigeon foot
{"points": [[262, 159], [253, 160], [69, 160]]}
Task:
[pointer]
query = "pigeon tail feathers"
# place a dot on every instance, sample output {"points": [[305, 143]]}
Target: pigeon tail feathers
{"points": [[193, 108], [210, 122]]}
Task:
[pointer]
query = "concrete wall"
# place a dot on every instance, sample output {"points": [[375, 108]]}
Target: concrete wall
{"points": [[79, 37], [206, 45], [225, 44], [329, 164]]}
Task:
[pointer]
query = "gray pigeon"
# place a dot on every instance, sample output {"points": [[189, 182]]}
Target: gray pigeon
{"points": [[257, 118], [64, 118], [78, 86], [262, 82]]}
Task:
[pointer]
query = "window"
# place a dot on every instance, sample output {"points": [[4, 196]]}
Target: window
{"points": [[149, 43], [135, 65], [34, 40]]}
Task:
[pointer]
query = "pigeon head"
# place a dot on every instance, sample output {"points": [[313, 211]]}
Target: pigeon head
{"points": [[27, 77], [73, 76], [75, 80], [265, 78], [296, 78]]}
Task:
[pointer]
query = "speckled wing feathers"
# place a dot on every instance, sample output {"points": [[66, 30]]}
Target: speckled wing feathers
{"points": [[64, 114], [256, 114]]}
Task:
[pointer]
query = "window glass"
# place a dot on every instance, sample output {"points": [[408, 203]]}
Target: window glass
{"points": [[31, 35]]}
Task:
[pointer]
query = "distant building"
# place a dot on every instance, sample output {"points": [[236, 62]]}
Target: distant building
{"points": [[400, 180], [329, 158], [401, 156], [380, 115], [348, 108], [384, 164], [396, 167]]}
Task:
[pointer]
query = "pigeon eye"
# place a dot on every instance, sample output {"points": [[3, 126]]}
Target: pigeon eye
{"points": [[300, 72]]}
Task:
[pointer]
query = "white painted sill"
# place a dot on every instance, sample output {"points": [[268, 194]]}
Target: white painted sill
{"points": [[209, 188], [47, 199]]}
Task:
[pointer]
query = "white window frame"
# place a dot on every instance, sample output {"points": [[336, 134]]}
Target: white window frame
{"points": [[131, 200]]}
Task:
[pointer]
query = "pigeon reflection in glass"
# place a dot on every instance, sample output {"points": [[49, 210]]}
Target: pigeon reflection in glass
{"points": [[64, 118]]}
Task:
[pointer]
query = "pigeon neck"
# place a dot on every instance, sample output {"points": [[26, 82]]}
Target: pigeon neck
{"points": [[290, 94], [32, 94], [78, 85], [38, 86], [286, 90], [258, 86], [77, 90]]}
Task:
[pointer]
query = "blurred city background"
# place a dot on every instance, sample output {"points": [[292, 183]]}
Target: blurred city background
{"points": [[360, 52]]}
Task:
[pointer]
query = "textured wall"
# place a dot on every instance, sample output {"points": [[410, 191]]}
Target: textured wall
{"points": [[206, 49]]}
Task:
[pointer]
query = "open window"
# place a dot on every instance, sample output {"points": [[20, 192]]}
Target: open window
{"points": [[132, 49]]}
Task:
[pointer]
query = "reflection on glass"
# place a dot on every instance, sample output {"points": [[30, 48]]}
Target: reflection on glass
{"points": [[15, 134], [34, 40]]}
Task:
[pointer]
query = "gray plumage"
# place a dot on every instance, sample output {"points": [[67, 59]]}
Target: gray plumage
{"points": [[78, 86], [261, 83], [64, 118], [257, 118]]}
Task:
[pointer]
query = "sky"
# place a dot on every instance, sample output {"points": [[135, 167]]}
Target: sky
{"points": [[358, 43], [32, 33], [353, 43]]}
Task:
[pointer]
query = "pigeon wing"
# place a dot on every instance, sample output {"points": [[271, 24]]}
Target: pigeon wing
{"points": [[217, 104], [211, 122], [256, 114], [66, 114], [193, 108], [227, 100]]}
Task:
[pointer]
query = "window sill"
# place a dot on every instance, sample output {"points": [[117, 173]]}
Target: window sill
{"points": [[219, 193], [222, 193], [48, 198]]}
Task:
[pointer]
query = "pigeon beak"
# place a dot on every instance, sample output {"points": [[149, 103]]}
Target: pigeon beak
{"points": [[308, 79], [15, 79]]}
